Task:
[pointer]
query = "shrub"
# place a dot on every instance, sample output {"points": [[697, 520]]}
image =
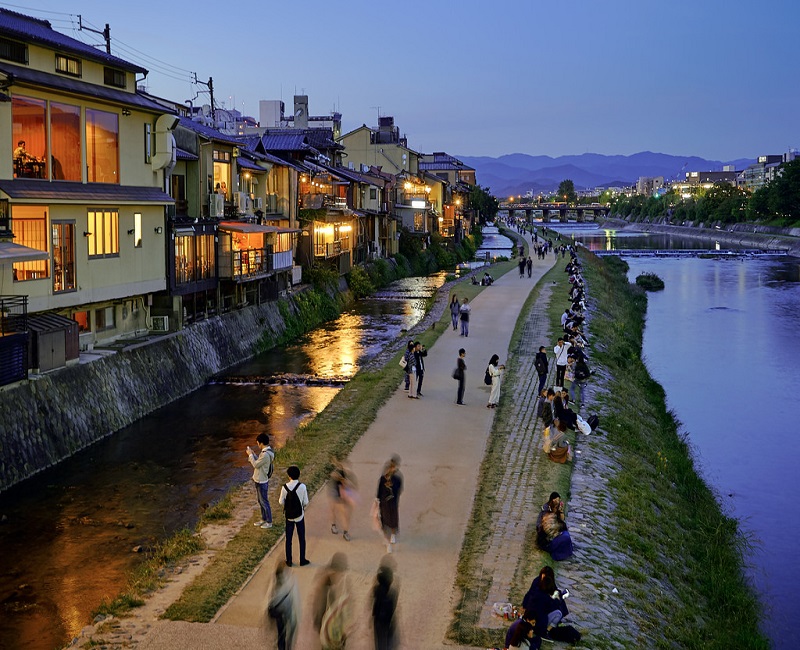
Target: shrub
{"points": [[650, 282], [360, 283]]}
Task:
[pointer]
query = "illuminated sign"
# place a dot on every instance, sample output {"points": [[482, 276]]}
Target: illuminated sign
{"points": [[416, 203]]}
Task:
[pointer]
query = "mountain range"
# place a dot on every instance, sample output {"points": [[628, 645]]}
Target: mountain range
{"points": [[519, 173]]}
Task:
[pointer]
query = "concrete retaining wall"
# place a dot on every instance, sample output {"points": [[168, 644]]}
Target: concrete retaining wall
{"points": [[45, 420]]}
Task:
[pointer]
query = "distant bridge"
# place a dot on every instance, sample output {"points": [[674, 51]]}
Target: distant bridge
{"points": [[691, 252], [588, 212]]}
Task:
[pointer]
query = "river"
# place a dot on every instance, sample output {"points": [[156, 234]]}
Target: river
{"points": [[721, 338], [67, 534]]}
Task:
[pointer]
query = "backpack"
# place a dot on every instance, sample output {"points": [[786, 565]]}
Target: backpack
{"points": [[292, 508], [593, 421], [565, 633], [271, 464], [487, 378]]}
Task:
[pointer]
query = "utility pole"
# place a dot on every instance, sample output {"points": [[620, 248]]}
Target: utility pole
{"points": [[106, 33], [210, 85]]}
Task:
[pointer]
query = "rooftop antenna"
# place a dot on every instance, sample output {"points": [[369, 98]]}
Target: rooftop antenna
{"points": [[106, 33], [377, 108]]}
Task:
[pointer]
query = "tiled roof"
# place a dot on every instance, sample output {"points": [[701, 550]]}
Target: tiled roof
{"points": [[40, 32], [249, 142], [182, 154], [321, 139], [20, 188], [78, 87], [355, 176], [284, 141], [246, 163], [207, 131]]}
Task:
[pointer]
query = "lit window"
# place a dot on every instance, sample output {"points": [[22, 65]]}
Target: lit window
{"points": [[68, 65], [82, 318], [137, 230], [102, 146], [29, 137], [103, 233], [65, 141], [29, 225]]}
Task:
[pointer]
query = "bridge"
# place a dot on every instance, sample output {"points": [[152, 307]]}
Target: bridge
{"points": [[588, 212], [691, 252]]}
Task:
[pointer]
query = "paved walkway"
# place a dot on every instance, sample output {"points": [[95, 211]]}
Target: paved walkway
{"points": [[441, 446]]}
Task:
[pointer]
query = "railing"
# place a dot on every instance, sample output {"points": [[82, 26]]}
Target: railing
{"points": [[334, 202], [253, 263], [13, 314]]}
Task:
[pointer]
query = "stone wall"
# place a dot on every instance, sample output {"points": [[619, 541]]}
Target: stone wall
{"points": [[45, 420]]}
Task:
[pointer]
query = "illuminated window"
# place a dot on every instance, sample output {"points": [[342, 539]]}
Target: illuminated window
{"points": [[114, 78], [194, 258], [29, 137], [65, 141], [82, 318], [63, 256], [102, 146], [68, 65], [222, 173], [103, 233], [29, 225], [137, 230]]}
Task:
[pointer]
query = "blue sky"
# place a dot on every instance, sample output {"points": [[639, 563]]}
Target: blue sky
{"points": [[713, 78]]}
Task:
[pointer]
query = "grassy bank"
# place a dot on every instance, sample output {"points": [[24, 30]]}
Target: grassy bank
{"points": [[666, 516]]}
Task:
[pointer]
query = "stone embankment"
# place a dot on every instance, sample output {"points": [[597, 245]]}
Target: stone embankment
{"points": [[47, 419]]}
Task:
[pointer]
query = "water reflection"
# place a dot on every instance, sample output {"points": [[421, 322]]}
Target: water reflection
{"points": [[494, 245], [68, 538]]}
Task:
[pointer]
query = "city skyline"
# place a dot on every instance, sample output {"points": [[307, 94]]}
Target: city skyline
{"points": [[714, 81]]}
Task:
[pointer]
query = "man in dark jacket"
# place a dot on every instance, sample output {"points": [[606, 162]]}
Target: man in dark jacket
{"points": [[419, 360], [541, 364]]}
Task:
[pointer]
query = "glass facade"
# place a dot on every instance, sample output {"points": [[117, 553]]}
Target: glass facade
{"points": [[102, 146]]}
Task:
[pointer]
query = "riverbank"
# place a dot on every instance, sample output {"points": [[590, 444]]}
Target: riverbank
{"points": [[745, 235]]}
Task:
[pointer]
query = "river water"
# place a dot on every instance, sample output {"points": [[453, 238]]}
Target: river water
{"points": [[721, 339], [67, 534]]}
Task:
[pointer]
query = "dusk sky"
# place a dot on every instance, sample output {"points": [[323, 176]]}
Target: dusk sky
{"points": [[714, 78]]}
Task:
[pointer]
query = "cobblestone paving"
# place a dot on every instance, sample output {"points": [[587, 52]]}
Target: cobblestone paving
{"points": [[603, 612]]}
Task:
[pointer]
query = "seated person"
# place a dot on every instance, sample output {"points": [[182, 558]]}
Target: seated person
{"points": [[521, 633], [562, 411], [552, 608], [474, 280], [556, 446], [554, 537], [20, 153]]}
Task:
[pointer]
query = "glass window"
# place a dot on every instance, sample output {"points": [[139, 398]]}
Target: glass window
{"points": [[102, 146], [184, 259], [103, 233], [29, 137], [13, 51], [137, 230], [82, 318], [104, 319], [63, 256], [114, 78], [206, 268], [68, 65], [148, 142], [65, 141], [373, 193], [29, 225]]}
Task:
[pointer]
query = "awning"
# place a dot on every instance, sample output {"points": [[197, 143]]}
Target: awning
{"points": [[69, 191], [11, 252], [236, 226]]}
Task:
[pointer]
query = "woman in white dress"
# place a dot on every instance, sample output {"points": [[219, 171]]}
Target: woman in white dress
{"points": [[495, 371]]}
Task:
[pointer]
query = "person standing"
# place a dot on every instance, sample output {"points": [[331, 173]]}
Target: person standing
{"points": [[408, 357], [529, 265], [582, 373], [384, 606], [464, 316], [522, 263], [419, 359], [262, 471], [390, 486], [461, 375], [294, 499], [495, 371], [455, 308], [562, 353], [542, 365], [284, 606]]}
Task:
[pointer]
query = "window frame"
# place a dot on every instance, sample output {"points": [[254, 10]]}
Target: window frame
{"points": [[11, 44], [69, 60], [110, 234], [114, 77]]}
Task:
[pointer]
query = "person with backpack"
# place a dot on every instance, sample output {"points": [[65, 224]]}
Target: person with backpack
{"points": [[262, 472], [294, 499]]}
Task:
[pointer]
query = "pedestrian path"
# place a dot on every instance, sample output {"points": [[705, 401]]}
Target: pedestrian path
{"points": [[441, 446]]}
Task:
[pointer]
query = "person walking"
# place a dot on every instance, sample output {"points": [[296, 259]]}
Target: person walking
{"points": [[390, 486], [294, 499], [384, 606], [332, 609], [455, 309], [461, 375], [342, 490], [262, 471], [529, 265], [284, 606], [464, 313], [419, 359], [495, 370], [542, 365], [522, 263]]}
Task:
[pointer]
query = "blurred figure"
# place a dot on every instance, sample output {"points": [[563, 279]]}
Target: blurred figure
{"points": [[332, 604], [455, 310], [390, 486], [384, 605], [283, 606], [342, 490]]}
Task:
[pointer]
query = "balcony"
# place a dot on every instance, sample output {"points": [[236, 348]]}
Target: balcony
{"points": [[417, 201], [327, 201], [253, 263]]}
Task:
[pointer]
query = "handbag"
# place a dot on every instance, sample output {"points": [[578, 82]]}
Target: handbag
{"points": [[487, 378], [403, 362], [456, 374]]}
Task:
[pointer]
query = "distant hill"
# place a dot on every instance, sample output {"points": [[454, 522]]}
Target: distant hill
{"points": [[518, 173]]}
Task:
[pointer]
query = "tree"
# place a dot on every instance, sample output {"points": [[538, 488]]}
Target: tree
{"points": [[567, 189], [481, 200], [783, 194]]}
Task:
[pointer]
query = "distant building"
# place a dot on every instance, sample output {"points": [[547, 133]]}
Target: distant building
{"points": [[764, 171], [649, 185]]}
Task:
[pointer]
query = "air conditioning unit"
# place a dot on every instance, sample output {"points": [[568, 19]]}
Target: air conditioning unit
{"points": [[216, 205], [160, 324], [258, 203], [240, 200]]}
